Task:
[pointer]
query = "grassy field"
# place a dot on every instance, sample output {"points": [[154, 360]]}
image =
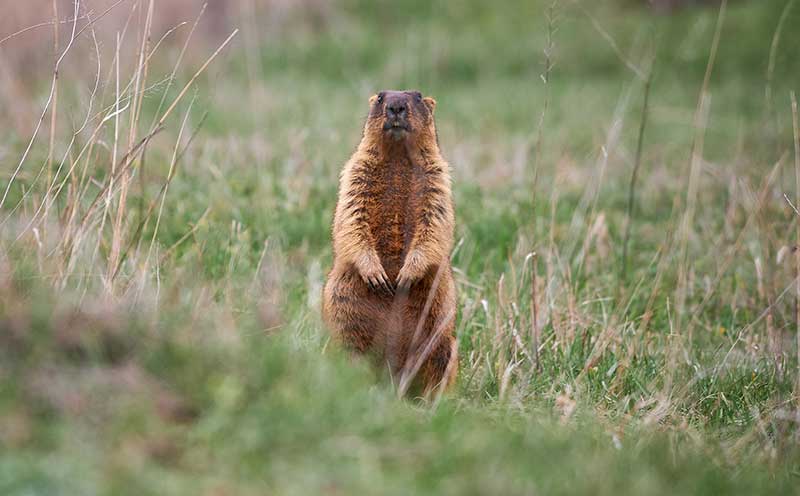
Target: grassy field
{"points": [[164, 239]]}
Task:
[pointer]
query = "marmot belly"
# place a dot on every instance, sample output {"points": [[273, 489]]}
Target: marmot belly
{"points": [[394, 214]]}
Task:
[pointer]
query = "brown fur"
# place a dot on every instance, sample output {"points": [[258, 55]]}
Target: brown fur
{"points": [[390, 292]]}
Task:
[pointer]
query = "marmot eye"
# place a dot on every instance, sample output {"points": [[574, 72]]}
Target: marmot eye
{"points": [[418, 96], [380, 98]]}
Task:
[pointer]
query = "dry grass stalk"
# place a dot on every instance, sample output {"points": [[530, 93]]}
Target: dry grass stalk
{"points": [[49, 101], [535, 330], [78, 223], [137, 96], [632, 187], [796, 135], [700, 122], [54, 110], [773, 54], [759, 204], [420, 347], [172, 169], [537, 150], [585, 215], [548, 67]]}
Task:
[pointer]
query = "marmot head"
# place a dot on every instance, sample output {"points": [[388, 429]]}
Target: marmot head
{"points": [[401, 115]]}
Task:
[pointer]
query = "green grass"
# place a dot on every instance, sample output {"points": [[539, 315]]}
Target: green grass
{"points": [[204, 368]]}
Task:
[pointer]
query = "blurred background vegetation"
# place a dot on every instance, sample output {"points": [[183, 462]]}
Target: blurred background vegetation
{"points": [[161, 266]]}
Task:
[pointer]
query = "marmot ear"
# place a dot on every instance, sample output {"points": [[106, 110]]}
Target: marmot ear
{"points": [[430, 103]]}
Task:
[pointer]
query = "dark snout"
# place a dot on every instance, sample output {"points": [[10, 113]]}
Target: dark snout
{"points": [[396, 110], [396, 114]]}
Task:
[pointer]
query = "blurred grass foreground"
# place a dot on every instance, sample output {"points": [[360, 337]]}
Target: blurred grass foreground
{"points": [[626, 177]]}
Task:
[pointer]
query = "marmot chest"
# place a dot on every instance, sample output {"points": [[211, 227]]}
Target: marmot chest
{"points": [[393, 210]]}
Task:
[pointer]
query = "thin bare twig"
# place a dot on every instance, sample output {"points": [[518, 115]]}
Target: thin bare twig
{"points": [[52, 91], [41, 25]]}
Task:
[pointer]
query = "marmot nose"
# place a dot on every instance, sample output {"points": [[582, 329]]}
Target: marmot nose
{"points": [[396, 109]]}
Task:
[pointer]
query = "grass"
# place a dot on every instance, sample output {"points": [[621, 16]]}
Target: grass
{"points": [[170, 342]]}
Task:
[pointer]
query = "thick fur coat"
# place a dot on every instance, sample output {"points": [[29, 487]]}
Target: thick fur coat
{"points": [[390, 292]]}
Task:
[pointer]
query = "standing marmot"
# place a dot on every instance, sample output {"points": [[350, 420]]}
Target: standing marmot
{"points": [[390, 292]]}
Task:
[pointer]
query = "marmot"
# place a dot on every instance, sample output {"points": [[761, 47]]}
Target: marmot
{"points": [[390, 292]]}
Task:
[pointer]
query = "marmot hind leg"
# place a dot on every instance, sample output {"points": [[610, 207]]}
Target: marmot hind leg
{"points": [[434, 364], [351, 322], [440, 365], [438, 373]]}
